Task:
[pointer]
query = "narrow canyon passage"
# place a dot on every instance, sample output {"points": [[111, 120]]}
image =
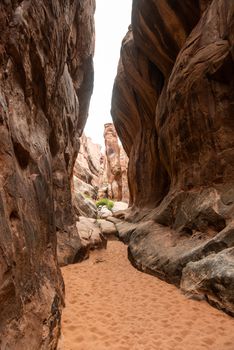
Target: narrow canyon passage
{"points": [[111, 305], [170, 95]]}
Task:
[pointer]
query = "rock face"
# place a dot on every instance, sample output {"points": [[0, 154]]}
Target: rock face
{"points": [[88, 165], [214, 277], [124, 175], [97, 175], [86, 178], [172, 107], [114, 176], [46, 78]]}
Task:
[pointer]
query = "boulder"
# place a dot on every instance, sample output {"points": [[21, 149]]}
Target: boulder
{"points": [[90, 234], [113, 219], [119, 206], [125, 230], [212, 278], [104, 212], [165, 253], [70, 248], [74, 247], [108, 229], [84, 206]]}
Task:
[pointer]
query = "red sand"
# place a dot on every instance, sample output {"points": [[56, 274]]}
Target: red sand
{"points": [[110, 305]]}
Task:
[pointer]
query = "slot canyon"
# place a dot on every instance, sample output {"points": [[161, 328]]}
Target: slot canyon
{"points": [[129, 245]]}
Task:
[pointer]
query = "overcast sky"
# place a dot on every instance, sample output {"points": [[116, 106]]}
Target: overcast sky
{"points": [[112, 19]]}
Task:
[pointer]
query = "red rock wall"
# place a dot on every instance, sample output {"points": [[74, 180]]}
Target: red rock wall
{"points": [[96, 174], [124, 174], [46, 79], [88, 163], [173, 98], [115, 165], [173, 108]]}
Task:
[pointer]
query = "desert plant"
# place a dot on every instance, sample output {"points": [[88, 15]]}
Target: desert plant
{"points": [[105, 201]]}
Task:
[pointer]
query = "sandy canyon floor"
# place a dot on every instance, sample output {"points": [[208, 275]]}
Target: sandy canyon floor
{"points": [[110, 305]]}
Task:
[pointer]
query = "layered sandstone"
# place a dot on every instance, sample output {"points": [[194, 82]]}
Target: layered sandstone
{"points": [[46, 78], [172, 107]]}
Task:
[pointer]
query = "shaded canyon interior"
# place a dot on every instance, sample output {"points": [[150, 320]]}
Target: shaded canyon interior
{"points": [[172, 106]]}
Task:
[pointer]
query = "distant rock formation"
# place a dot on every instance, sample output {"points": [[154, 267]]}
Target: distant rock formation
{"points": [[172, 107], [114, 178], [86, 178], [97, 175], [124, 175], [46, 79], [88, 166]]}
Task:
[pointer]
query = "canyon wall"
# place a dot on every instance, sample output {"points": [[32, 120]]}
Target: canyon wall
{"points": [[115, 166], [173, 107], [46, 79], [86, 178], [99, 174]]}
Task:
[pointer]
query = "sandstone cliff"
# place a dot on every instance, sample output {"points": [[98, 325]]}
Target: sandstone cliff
{"points": [[114, 166], [172, 107], [46, 78], [98, 175]]}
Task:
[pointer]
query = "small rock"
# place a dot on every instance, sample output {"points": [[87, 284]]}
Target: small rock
{"points": [[104, 212], [90, 233], [108, 229], [119, 206]]}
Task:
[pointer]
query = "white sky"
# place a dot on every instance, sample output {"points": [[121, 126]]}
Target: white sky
{"points": [[112, 19]]}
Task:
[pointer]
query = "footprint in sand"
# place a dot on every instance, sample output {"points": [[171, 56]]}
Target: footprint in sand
{"points": [[124, 309], [79, 339]]}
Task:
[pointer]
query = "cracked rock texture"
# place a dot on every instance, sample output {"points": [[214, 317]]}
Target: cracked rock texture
{"points": [[46, 78], [173, 107]]}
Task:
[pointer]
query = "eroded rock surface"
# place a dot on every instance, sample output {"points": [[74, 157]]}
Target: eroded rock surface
{"points": [[172, 107], [99, 175], [87, 167], [91, 234], [86, 178], [115, 164], [212, 278], [46, 78]]}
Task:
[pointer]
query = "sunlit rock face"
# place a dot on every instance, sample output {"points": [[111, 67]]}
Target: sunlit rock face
{"points": [[46, 78], [172, 107]]}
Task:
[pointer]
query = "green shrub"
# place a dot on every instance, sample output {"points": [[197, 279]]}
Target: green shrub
{"points": [[105, 201]]}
